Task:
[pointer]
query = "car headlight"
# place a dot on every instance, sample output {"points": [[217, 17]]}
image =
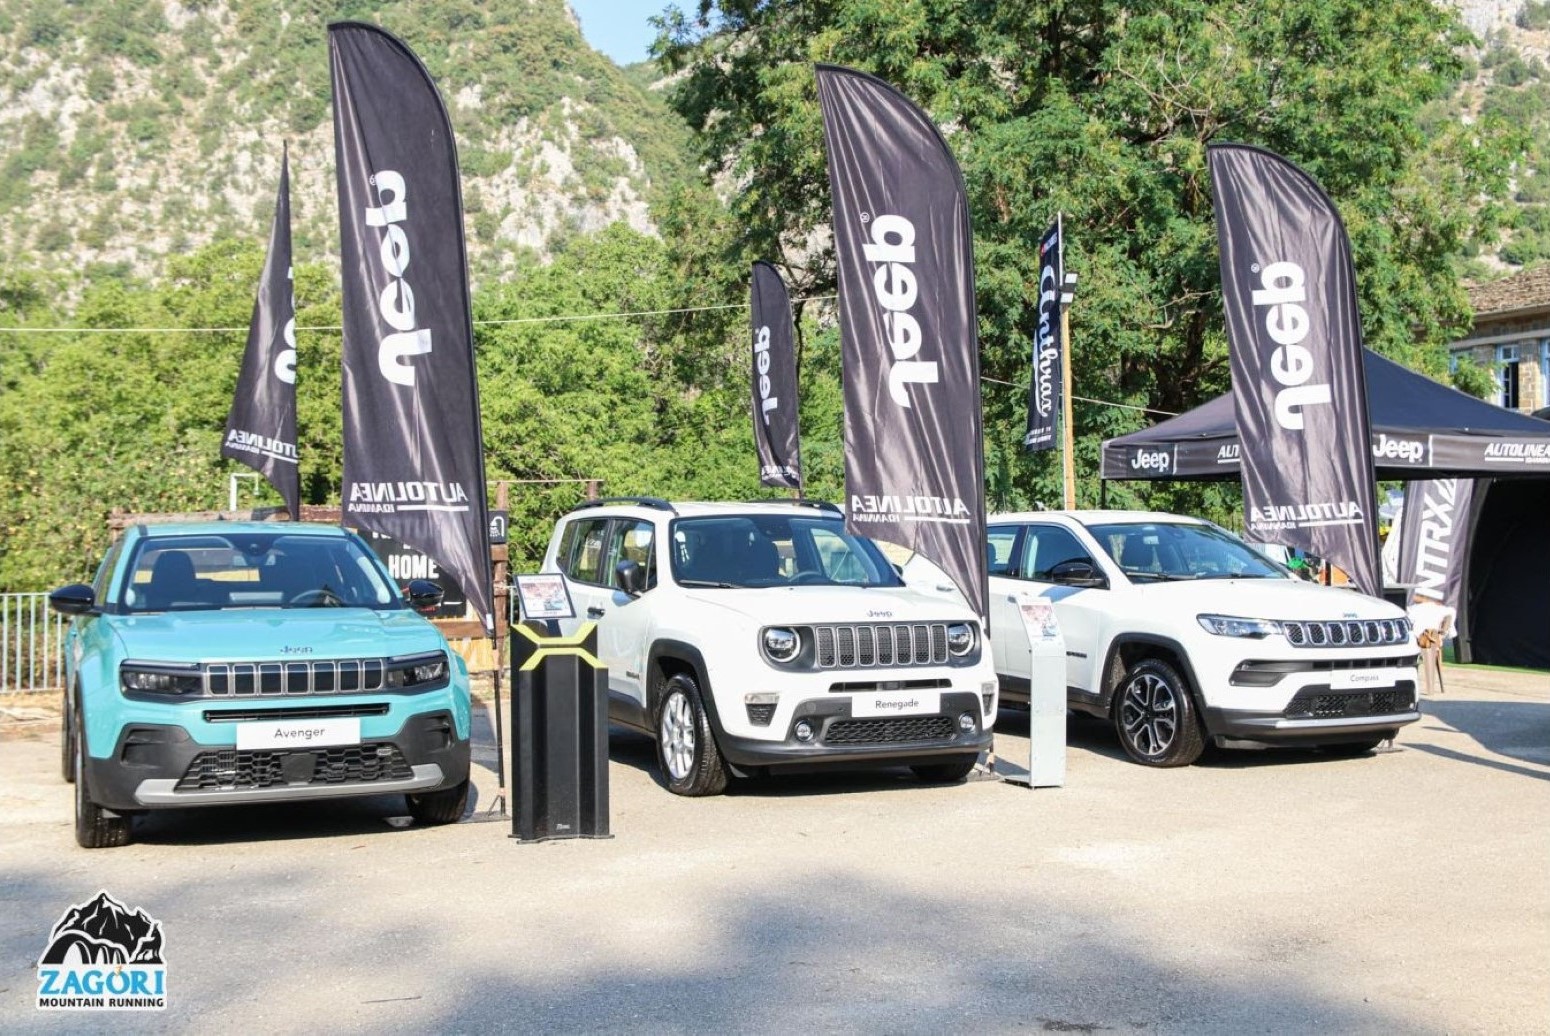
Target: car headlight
{"points": [[169, 679], [960, 638], [1233, 626], [421, 673], [781, 644]]}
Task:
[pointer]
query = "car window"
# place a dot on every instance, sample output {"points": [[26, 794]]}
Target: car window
{"points": [[99, 583], [255, 570], [1047, 546], [775, 550], [999, 542], [588, 549], [632, 541], [1177, 550]]}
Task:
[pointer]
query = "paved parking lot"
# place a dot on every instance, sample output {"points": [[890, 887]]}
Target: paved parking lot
{"points": [[1268, 891]]}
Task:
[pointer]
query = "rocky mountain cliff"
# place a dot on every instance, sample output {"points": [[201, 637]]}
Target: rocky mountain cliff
{"points": [[131, 129]]}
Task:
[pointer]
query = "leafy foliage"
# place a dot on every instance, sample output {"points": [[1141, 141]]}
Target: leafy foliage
{"points": [[1101, 110]]}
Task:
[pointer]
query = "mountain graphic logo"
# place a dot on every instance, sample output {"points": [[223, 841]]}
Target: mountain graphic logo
{"points": [[103, 931]]}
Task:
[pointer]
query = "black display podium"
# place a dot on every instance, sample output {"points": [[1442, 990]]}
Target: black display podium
{"points": [[559, 741]]}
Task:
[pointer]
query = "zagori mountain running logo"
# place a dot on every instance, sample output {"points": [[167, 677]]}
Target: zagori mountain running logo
{"points": [[893, 282], [1282, 288], [103, 956], [396, 303], [761, 355]]}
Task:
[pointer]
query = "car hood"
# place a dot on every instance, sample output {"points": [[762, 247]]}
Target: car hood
{"points": [[235, 635], [807, 605], [1266, 599]]}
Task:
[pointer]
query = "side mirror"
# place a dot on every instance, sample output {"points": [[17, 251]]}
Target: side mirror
{"points": [[424, 596], [632, 578], [75, 599], [1079, 574]]}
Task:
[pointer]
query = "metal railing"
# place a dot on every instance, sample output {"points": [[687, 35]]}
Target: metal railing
{"points": [[32, 644]]}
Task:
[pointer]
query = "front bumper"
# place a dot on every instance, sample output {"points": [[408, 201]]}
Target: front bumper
{"points": [[155, 766], [844, 740], [1319, 715]]}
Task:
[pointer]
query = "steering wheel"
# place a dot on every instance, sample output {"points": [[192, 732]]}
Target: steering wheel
{"points": [[807, 577], [322, 597]]}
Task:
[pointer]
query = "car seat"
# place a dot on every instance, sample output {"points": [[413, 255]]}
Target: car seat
{"points": [[173, 581]]}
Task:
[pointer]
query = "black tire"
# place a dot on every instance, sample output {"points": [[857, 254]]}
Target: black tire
{"points": [[1348, 749], [691, 763], [1154, 716], [439, 807], [95, 828], [950, 772], [66, 742]]}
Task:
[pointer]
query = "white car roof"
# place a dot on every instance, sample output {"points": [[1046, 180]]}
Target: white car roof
{"points": [[1098, 517], [710, 508]]}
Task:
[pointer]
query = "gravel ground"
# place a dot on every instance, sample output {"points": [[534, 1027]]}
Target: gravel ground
{"points": [[1256, 892]]}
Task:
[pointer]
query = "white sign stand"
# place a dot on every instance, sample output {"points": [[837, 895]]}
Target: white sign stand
{"points": [[1046, 654]]}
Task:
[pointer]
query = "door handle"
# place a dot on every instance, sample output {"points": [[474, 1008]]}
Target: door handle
{"points": [[594, 612]]}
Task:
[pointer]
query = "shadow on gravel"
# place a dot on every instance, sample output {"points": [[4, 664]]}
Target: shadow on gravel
{"points": [[1515, 729]]}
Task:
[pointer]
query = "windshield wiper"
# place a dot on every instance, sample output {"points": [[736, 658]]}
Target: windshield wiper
{"points": [[706, 582]]}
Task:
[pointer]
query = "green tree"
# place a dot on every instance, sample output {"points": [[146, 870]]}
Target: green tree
{"points": [[1101, 109]]}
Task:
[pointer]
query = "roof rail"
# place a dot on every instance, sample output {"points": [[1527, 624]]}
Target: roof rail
{"points": [[817, 505], [640, 501]]}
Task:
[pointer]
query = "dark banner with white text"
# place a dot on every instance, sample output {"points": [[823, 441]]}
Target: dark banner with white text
{"points": [[1044, 387], [775, 423], [413, 450], [914, 462], [1295, 344], [261, 429]]}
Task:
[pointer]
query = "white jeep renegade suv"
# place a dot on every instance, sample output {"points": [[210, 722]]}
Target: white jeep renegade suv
{"points": [[746, 637], [1179, 632]]}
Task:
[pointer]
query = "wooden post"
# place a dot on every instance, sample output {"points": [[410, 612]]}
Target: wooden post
{"points": [[1067, 464]]}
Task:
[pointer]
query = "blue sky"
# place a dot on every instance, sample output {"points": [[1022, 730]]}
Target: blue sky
{"points": [[618, 27]]}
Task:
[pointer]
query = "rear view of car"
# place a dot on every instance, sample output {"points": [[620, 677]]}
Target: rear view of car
{"points": [[222, 663]]}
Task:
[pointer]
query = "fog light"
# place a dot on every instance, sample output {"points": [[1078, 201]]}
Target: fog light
{"points": [[804, 730], [966, 722]]}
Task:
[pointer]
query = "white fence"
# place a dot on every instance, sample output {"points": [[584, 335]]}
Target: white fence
{"points": [[32, 644]]}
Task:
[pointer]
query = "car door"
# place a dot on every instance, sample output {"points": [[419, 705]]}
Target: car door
{"points": [[1006, 624], [623, 625], [1079, 610], [581, 556]]}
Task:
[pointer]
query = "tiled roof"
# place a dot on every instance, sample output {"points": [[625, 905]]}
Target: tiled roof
{"points": [[1527, 290]]}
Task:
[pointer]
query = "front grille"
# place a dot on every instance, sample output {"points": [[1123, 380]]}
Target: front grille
{"points": [[1344, 704], [261, 679], [1352, 632], [228, 769], [303, 712], [889, 731], [863, 645]]}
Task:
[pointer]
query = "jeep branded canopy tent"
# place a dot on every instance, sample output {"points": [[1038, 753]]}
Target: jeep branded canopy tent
{"points": [[1421, 429]]}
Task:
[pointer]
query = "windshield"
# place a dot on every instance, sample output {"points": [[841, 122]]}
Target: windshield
{"points": [[269, 570], [775, 550], [1156, 551]]}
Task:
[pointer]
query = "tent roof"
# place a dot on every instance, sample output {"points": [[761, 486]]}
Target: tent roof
{"points": [[1420, 429]]}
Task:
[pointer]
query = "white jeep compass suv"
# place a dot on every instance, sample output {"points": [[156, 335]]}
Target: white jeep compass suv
{"points": [[747, 637], [1177, 631]]}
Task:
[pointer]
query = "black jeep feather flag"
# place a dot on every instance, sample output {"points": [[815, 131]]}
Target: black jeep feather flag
{"points": [[261, 429], [1044, 385], [413, 449], [775, 431], [1295, 343], [914, 463]]}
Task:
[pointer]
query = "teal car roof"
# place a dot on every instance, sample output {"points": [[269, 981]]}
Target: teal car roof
{"points": [[240, 528]]}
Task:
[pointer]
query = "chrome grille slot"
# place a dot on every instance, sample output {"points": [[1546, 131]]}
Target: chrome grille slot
{"points": [[284, 679], [865, 645]]}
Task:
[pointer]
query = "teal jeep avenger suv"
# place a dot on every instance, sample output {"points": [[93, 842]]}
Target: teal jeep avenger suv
{"points": [[214, 663]]}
